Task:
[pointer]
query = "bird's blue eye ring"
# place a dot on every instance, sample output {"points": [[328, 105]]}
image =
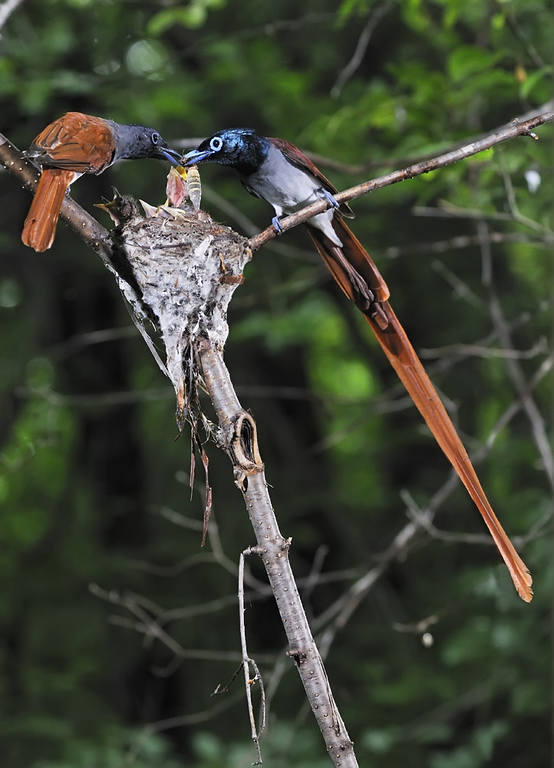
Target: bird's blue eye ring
{"points": [[216, 143], [155, 138]]}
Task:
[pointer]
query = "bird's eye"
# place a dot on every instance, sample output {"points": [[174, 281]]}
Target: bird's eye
{"points": [[216, 143], [155, 138]]}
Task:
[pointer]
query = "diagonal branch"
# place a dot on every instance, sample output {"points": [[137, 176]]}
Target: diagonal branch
{"points": [[361, 47], [237, 436], [85, 225]]}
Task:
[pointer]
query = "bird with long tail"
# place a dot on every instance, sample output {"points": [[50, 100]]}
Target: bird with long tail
{"points": [[280, 173], [71, 146]]}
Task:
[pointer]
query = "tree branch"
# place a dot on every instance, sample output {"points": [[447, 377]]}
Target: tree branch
{"points": [[247, 662], [237, 436], [85, 225], [538, 426], [509, 131], [361, 47]]}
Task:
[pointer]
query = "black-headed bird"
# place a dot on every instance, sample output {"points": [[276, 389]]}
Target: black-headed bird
{"points": [[280, 173], [75, 144]]}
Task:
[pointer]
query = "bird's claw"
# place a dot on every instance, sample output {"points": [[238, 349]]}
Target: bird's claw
{"points": [[326, 195], [277, 225]]}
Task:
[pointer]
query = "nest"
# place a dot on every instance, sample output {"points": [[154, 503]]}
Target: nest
{"points": [[179, 270]]}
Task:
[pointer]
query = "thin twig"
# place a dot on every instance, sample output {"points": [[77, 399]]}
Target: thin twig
{"points": [[211, 606], [460, 288], [446, 210], [315, 572], [475, 350], [520, 34], [247, 662], [360, 50], [249, 227], [466, 241], [146, 624], [513, 206], [180, 721], [424, 520], [515, 371]]}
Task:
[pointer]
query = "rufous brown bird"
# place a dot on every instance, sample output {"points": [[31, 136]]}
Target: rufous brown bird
{"points": [[75, 144], [280, 173]]}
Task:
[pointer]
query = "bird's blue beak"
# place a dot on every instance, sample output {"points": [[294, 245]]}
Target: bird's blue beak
{"points": [[170, 155], [196, 156]]}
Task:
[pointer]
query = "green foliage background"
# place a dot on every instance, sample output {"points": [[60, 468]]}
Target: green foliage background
{"points": [[88, 457]]}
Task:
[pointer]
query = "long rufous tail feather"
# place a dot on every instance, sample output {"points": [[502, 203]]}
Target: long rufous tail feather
{"points": [[401, 355], [39, 228]]}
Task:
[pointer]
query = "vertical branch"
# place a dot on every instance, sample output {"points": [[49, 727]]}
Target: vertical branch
{"points": [[238, 438], [515, 370], [247, 662]]}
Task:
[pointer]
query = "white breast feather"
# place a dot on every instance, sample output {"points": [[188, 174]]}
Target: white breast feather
{"points": [[287, 189]]}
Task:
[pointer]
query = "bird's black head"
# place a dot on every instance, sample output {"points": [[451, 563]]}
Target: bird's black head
{"points": [[138, 141], [241, 148]]}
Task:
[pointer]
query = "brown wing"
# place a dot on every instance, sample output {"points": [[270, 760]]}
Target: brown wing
{"points": [[75, 142], [351, 266], [297, 158]]}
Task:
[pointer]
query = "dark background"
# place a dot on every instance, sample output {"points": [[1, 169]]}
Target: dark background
{"points": [[94, 488]]}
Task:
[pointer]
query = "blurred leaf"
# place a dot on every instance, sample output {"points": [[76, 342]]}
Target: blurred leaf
{"points": [[468, 60], [533, 80], [193, 15]]}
